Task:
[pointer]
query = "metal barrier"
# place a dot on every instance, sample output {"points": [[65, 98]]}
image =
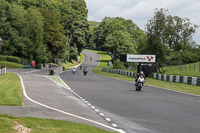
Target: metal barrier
{"points": [[121, 72]]}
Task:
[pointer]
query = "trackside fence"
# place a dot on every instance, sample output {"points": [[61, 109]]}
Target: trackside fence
{"points": [[178, 79], [122, 72], [3, 71]]}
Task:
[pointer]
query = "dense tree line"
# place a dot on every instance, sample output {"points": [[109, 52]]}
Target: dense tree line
{"points": [[168, 37], [43, 30]]}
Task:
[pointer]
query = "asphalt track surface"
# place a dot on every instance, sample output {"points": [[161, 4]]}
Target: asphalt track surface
{"points": [[42, 90], [153, 110]]}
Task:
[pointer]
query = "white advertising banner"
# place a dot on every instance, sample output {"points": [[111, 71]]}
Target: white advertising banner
{"points": [[141, 58]]}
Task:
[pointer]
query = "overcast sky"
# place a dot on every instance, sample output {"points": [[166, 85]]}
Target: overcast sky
{"points": [[140, 11]]}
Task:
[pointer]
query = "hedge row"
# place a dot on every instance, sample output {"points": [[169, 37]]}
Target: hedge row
{"points": [[10, 59], [10, 64]]}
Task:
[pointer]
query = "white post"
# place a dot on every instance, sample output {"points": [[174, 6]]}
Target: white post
{"points": [[177, 79], [170, 78], [185, 78], [194, 80]]}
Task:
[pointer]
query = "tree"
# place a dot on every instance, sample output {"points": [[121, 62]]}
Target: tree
{"points": [[92, 26], [120, 43], [34, 31], [74, 20], [54, 36], [119, 36], [164, 31]]}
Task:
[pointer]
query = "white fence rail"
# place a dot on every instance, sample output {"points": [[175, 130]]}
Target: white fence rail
{"points": [[3, 71]]}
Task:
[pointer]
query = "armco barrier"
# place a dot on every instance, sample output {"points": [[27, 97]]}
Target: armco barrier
{"points": [[3, 71], [122, 72], [178, 79]]}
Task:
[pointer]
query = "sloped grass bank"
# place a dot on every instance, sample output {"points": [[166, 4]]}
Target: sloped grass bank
{"points": [[73, 63]]}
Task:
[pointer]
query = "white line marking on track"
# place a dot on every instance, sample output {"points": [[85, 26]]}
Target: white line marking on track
{"points": [[54, 81], [76, 116], [101, 114], [108, 119], [96, 110], [114, 125]]}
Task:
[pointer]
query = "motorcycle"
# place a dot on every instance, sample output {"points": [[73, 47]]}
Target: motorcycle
{"points": [[85, 72], [73, 70], [140, 83]]}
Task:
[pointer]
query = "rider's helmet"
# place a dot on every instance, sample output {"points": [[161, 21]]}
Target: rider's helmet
{"points": [[141, 73]]}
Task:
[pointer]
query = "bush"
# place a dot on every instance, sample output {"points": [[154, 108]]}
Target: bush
{"points": [[13, 59], [10, 64], [10, 59], [118, 64], [3, 58]]}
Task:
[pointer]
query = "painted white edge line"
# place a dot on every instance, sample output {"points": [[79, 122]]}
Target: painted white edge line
{"points": [[56, 82], [96, 110], [76, 116]]}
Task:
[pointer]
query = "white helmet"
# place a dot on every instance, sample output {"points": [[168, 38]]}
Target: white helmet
{"points": [[141, 72]]}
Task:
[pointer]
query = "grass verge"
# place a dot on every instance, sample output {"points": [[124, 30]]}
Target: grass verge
{"points": [[186, 88], [74, 63], [10, 90], [56, 79], [192, 70], [10, 64], [37, 125]]}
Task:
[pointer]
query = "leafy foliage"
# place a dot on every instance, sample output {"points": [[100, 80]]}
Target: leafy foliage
{"points": [[167, 35], [118, 35], [43, 30]]}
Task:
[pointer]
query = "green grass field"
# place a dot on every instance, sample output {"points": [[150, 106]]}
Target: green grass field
{"points": [[37, 125], [10, 64], [191, 89], [184, 70], [10, 90]]}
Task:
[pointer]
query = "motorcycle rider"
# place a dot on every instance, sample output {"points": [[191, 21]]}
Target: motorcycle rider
{"points": [[73, 70], [85, 70], [137, 77]]}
